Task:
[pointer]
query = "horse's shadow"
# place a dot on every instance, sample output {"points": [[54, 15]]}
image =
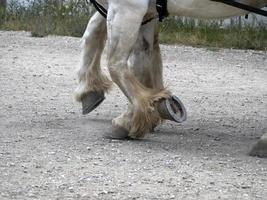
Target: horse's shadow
{"points": [[206, 138]]}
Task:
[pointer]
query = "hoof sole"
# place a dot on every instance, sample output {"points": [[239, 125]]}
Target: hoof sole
{"points": [[117, 133], [91, 101], [173, 109]]}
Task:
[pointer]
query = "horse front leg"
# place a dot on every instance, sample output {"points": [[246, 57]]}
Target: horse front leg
{"points": [[92, 82], [157, 66], [123, 33], [146, 63], [145, 60]]}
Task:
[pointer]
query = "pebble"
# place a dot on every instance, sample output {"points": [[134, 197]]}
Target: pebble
{"points": [[245, 187], [12, 164], [71, 189]]}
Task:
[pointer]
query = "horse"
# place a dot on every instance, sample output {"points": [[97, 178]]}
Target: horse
{"points": [[134, 60]]}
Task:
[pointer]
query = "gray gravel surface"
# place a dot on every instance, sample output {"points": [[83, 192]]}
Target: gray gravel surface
{"points": [[48, 150]]}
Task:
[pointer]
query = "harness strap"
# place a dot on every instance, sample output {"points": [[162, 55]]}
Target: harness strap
{"points": [[162, 9], [99, 8], [243, 7]]}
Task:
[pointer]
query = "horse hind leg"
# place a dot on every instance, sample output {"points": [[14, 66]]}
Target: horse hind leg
{"points": [[92, 82], [172, 108]]}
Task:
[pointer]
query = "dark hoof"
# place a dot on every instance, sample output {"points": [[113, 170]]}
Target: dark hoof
{"points": [[91, 101], [117, 133], [173, 109], [260, 149]]}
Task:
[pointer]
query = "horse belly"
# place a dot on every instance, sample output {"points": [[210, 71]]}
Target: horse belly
{"points": [[208, 9]]}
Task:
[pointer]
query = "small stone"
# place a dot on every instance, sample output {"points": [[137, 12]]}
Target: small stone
{"points": [[38, 166], [161, 181], [71, 189], [32, 196], [245, 187], [103, 192]]}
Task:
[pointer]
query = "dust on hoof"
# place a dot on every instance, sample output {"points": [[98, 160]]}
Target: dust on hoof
{"points": [[91, 101], [173, 109], [260, 149], [118, 133]]}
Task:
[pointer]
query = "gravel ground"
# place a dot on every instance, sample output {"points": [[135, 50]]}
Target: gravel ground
{"points": [[48, 150]]}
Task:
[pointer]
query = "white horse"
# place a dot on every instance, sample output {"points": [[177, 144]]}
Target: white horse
{"points": [[134, 60]]}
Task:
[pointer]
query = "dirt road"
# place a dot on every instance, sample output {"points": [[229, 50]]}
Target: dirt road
{"points": [[48, 150]]}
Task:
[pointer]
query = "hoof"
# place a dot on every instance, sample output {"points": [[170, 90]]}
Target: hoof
{"points": [[260, 149], [117, 133], [91, 101], [173, 109]]}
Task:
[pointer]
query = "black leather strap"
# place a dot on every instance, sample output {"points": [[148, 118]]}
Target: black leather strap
{"points": [[162, 9], [243, 7], [99, 8]]}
